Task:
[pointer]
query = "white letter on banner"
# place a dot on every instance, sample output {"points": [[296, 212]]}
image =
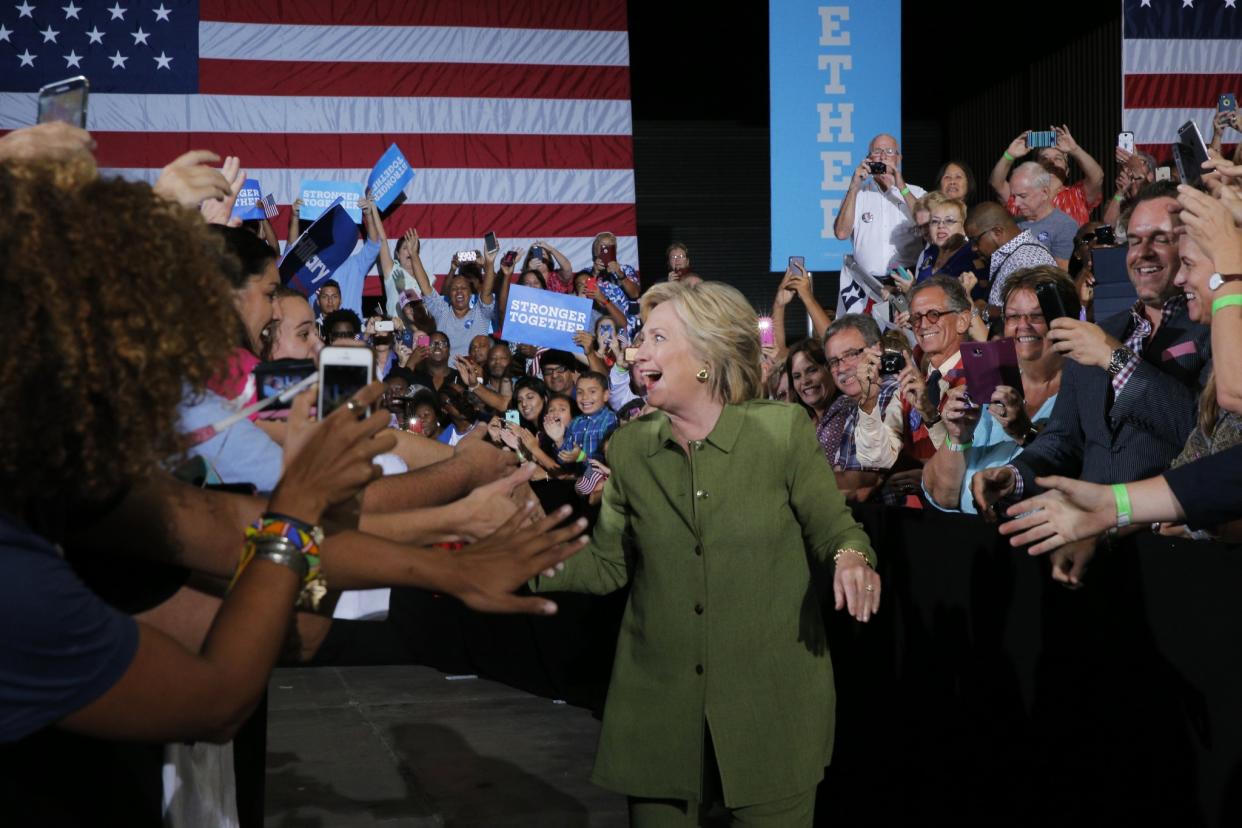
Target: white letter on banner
{"points": [[834, 64], [830, 207], [838, 169], [831, 17], [844, 122]]}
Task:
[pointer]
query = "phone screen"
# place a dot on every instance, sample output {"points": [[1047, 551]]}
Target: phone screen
{"points": [[338, 383], [272, 378], [1037, 139], [1228, 102], [64, 103], [489, 243]]}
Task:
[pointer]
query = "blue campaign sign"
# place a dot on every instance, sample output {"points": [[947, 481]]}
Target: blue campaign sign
{"points": [[318, 196], [388, 179], [544, 318], [319, 251], [249, 204], [835, 75]]}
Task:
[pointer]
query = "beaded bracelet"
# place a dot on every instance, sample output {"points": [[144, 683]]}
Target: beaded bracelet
{"points": [[836, 557], [314, 585]]}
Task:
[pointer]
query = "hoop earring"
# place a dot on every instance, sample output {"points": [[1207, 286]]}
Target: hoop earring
{"points": [[701, 376]]}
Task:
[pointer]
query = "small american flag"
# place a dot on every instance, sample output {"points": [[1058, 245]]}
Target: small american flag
{"points": [[1178, 57], [269, 206], [516, 114]]}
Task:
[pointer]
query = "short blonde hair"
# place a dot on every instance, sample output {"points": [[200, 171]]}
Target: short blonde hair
{"points": [[723, 329], [936, 199]]}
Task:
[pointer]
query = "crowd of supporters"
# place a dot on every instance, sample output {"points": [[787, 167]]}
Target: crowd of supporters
{"points": [[135, 360]]}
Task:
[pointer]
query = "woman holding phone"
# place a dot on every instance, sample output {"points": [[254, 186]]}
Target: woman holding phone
{"points": [[718, 510], [983, 439]]}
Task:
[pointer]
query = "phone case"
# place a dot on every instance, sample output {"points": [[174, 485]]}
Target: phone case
{"points": [[988, 365]]}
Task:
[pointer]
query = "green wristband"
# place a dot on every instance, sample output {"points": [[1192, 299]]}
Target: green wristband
{"points": [[1232, 300], [1009, 157], [582, 455], [1118, 197], [958, 448], [1124, 512], [905, 191]]}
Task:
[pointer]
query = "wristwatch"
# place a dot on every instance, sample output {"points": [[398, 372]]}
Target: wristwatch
{"points": [[1118, 360], [1218, 279]]}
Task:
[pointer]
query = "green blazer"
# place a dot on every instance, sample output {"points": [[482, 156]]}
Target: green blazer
{"points": [[723, 622]]}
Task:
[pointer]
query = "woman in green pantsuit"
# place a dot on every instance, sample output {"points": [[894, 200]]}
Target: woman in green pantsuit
{"points": [[718, 508]]}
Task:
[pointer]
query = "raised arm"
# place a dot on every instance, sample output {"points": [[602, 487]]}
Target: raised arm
{"points": [[1093, 174], [999, 179], [844, 225], [413, 244]]}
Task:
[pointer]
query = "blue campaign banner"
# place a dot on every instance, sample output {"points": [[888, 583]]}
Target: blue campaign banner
{"points": [[249, 204], [388, 179], [318, 196], [835, 76], [319, 251], [544, 318]]}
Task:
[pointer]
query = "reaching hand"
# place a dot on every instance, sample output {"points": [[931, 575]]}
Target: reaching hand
{"points": [[554, 428], [969, 281], [960, 417], [489, 571], [1069, 510], [1069, 563], [989, 486], [188, 181], [584, 340]]}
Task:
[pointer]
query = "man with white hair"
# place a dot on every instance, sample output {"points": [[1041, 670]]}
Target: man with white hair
{"points": [[1031, 188], [877, 215]]}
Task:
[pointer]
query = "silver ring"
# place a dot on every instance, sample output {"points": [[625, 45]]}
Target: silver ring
{"points": [[354, 408], [869, 588]]}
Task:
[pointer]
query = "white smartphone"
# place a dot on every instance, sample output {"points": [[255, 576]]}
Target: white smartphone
{"points": [[343, 372], [385, 326], [1125, 140], [65, 101]]}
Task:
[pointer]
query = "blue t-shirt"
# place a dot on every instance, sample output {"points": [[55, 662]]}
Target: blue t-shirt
{"points": [[242, 453], [61, 646]]}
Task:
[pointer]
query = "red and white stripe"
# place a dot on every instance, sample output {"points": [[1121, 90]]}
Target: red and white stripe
{"points": [[1169, 82], [514, 114]]}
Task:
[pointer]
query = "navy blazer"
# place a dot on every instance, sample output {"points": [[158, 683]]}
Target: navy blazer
{"points": [[1143, 429]]}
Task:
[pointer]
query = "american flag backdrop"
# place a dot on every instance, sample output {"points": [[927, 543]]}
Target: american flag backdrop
{"points": [[1178, 57], [514, 114]]}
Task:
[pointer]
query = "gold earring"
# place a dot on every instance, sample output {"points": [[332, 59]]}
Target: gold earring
{"points": [[701, 376]]}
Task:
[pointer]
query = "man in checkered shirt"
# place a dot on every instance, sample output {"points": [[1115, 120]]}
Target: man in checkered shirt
{"points": [[1130, 388]]}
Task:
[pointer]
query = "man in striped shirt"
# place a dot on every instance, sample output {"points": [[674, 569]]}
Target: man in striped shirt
{"points": [[1076, 200]]}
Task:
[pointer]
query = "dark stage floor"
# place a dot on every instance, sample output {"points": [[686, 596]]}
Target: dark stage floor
{"points": [[406, 746]]}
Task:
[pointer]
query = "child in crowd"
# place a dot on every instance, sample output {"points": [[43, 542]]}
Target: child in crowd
{"points": [[584, 439]]}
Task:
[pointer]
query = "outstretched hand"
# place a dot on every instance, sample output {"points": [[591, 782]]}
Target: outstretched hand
{"points": [[856, 587]]}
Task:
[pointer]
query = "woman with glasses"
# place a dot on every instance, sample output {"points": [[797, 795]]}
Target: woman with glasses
{"points": [[948, 251], [983, 434]]}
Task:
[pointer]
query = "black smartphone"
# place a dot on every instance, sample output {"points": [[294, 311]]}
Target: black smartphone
{"points": [[1050, 302], [877, 167], [489, 243], [1190, 152], [892, 362], [509, 259], [1040, 138], [1104, 234], [271, 379], [65, 101]]}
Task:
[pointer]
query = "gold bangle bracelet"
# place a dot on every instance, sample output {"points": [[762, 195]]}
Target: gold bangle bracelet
{"points": [[862, 555]]}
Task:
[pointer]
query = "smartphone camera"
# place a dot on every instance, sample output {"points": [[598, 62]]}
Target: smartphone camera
{"points": [[509, 259], [1105, 234], [892, 362], [385, 326], [877, 167]]}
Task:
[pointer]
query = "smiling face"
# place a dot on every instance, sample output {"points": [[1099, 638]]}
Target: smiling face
{"points": [[459, 291], [941, 337], [559, 379], [529, 405], [1152, 257], [945, 222], [809, 381], [1025, 324], [667, 364], [844, 351], [254, 302], [591, 395], [953, 182], [1192, 277], [439, 349], [296, 336]]}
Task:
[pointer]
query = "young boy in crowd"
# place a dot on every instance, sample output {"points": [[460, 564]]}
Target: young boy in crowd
{"points": [[584, 439]]}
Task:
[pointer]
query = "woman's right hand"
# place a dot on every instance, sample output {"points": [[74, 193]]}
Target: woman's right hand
{"points": [[334, 461], [1017, 147]]}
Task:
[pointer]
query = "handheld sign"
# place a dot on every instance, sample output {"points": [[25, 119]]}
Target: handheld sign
{"points": [[544, 318], [319, 251], [388, 179], [249, 204], [318, 196]]}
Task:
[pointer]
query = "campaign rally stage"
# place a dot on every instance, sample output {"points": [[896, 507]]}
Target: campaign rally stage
{"points": [[544, 318]]}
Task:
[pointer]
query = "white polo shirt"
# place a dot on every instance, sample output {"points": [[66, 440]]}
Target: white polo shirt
{"points": [[885, 234]]}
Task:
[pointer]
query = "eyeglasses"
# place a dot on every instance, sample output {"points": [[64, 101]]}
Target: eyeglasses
{"points": [[931, 316], [1030, 318], [974, 240], [889, 151], [848, 355], [944, 222], [555, 369]]}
